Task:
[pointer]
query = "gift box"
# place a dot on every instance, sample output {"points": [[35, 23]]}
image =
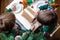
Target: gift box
{"points": [[26, 17], [29, 14]]}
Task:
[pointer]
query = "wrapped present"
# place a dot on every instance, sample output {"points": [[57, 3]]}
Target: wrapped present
{"points": [[26, 17], [29, 14]]}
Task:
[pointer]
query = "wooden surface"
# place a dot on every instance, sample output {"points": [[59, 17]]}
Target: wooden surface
{"points": [[57, 34], [3, 4], [58, 11]]}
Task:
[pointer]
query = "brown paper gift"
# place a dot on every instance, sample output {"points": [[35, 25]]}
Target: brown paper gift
{"points": [[29, 14]]}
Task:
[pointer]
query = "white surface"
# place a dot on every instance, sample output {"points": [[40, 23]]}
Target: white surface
{"points": [[19, 7]]}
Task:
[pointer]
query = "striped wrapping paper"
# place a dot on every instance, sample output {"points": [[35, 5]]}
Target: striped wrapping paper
{"points": [[29, 14], [26, 17]]}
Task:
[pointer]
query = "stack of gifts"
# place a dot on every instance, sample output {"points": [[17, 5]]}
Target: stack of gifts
{"points": [[26, 17]]}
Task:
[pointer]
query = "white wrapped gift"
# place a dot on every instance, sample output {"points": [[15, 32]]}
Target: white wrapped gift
{"points": [[26, 17]]}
